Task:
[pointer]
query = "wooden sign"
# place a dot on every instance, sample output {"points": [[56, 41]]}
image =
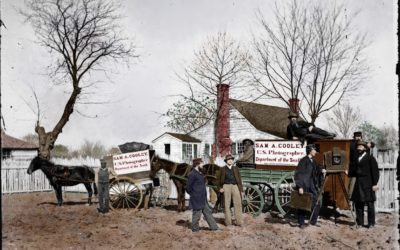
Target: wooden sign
{"points": [[278, 152], [132, 162]]}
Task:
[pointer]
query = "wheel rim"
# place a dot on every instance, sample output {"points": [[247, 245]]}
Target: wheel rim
{"points": [[283, 190], [269, 197], [253, 200], [124, 193]]}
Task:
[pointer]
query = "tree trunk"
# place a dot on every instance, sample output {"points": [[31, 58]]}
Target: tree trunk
{"points": [[47, 140]]}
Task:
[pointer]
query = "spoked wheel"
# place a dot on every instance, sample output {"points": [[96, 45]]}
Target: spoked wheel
{"points": [[124, 193], [161, 192], [253, 200], [269, 196], [283, 189]]}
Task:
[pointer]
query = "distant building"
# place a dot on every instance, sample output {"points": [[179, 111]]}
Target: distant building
{"points": [[12, 147], [239, 120]]}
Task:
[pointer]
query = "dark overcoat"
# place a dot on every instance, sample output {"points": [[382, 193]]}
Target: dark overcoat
{"points": [[308, 175], [236, 173], [367, 175], [196, 188]]}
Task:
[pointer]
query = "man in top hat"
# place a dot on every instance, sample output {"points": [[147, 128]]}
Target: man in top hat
{"points": [[196, 188], [302, 130], [230, 184], [366, 173], [247, 157], [357, 136], [308, 177]]}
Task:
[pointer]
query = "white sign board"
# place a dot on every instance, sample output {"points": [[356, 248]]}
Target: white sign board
{"points": [[278, 153], [132, 162]]}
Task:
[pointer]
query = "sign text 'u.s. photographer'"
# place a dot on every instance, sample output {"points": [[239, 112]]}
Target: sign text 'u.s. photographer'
{"points": [[132, 162], [279, 153]]}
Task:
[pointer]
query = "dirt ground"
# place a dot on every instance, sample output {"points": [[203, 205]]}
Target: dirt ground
{"points": [[33, 221]]}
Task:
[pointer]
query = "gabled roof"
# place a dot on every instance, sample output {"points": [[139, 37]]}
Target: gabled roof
{"points": [[266, 118], [182, 137], [9, 142]]}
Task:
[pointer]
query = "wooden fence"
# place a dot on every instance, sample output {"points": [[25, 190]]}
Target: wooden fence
{"points": [[386, 197]]}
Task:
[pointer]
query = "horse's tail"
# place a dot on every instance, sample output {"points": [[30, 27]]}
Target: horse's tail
{"points": [[95, 188]]}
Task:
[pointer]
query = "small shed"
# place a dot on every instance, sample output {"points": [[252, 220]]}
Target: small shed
{"points": [[177, 147], [14, 148]]}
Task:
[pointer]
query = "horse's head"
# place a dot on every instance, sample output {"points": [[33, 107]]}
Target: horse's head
{"points": [[35, 164], [155, 166]]}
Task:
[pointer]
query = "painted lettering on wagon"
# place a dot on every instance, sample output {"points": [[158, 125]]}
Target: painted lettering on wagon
{"points": [[279, 152], [131, 162]]}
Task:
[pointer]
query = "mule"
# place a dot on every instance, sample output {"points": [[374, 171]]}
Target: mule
{"points": [[178, 172], [59, 175]]}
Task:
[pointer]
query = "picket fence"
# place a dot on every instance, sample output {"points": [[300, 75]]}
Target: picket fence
{"points": [[14, 179]]}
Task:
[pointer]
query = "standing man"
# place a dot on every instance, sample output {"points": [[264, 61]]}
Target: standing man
{"points": [[196, 188], [357, 136], [308, 178], [103, 186], [230, 184], [366, 173]]}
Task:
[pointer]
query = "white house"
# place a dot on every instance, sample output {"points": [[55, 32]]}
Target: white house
{"points": [[12, 147], [238, 120]]}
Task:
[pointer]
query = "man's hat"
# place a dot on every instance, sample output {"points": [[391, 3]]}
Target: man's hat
{"points": [[310, 147], [245, 140], [228, 157], [197, 161], [292, 114], [362, 143], [358, 134]]}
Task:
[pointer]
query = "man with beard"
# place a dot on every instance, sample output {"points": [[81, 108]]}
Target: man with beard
{"points": [[308, 177], [196, 188], [301, 130], [247, 157], [366, 173], [357, 136]]}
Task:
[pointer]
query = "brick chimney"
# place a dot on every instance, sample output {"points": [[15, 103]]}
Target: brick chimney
{"points": [[294, 105], [223, 140]]}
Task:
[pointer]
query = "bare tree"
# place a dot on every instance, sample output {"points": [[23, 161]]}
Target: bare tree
{"points": [[311, 54], [220, 60], [344, 120], [80, 35]]}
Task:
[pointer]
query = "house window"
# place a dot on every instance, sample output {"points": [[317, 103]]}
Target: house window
{"points": [[6, 153], [207, 150], [167, 149], [237, 148], [189, 151]]}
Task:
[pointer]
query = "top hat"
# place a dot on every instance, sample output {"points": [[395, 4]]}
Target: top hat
{"points": [[228, 157], [292, 114], [197, 162], [245, 140], [358, 134], [362, 143]]}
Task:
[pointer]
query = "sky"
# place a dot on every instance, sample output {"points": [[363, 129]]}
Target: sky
{"points": [[166, 34]]}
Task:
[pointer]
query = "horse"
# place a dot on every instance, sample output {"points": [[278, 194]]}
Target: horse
{"points": [[179, 173], [59, 175]]}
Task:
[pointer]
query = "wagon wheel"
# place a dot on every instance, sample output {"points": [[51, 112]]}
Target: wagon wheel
{"points": [[162, 192], [283, 189], [253, 200], [269, 196], [124, 193]]}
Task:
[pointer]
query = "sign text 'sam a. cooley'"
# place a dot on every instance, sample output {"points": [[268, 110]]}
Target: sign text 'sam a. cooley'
{"points": [[278, 152], [132, 162]]}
